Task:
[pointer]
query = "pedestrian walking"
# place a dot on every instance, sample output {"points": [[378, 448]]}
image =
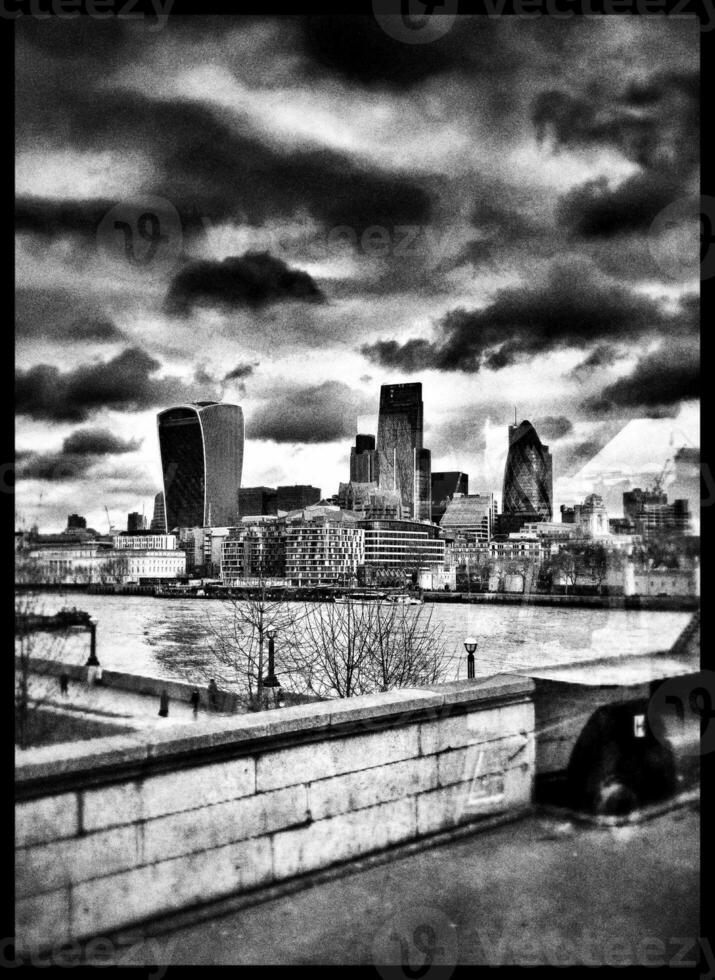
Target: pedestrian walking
{"points": [[213, 695], [195, 698], [64, 684], [164, 704]]}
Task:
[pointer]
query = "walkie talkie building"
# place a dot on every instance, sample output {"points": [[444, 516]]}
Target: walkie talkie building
{"points": [[528, 477], [201, 447]]}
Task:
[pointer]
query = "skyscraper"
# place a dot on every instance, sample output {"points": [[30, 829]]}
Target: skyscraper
{"points": [[444, 487], [402, 462], [158, 520], [363, 460], [201, 448], [528, 479]]}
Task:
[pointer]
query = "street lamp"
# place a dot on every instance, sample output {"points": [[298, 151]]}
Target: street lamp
{"points": [[470, 645], [270, 680]]}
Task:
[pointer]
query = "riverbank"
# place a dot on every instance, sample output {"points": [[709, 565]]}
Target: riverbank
{"points": [[633, 602], [643, 602]]}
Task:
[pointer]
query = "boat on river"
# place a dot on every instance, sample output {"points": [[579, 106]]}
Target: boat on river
{"points": [[380, 598]]}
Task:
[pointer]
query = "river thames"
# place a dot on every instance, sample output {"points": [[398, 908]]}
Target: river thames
{"points": [[155, 637]]}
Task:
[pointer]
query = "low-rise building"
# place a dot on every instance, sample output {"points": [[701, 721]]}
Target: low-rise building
{"points": [[255, 550], [395, 549], [323, 547]]}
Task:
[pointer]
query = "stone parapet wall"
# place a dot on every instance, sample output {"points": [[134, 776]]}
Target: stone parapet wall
{"points": [[124, 829]]}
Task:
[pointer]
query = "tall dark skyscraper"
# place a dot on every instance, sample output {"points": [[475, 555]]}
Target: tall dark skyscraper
{"points": [[402, 462], [363, 460], [528, 479], [201, 448]]}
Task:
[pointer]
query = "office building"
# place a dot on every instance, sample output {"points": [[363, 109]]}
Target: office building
{"points": [[136, 522], [444, 486], [651, 513], [129, 540], [369, 501], [397, 550], [201, 448], [257, 501], [528, 480], [363, 460], [297, 497], [403, 464], [470, 517], [158, 520]]}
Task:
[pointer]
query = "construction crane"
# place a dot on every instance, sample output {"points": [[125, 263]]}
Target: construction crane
{"points": [[109, 520], [660, 479]]}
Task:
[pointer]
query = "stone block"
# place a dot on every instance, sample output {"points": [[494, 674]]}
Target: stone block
{"points": [[486, 794], [45, 867], [42, 921], [332, 757], [122, 899], [459, 765], [355, 791], [46, 818], [476, 726], [185, 789], [342, 838], [215, 826]]}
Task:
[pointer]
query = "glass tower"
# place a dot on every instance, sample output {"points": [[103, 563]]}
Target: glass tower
{"points": [[402, 462], [201, 447], [528, 477]]}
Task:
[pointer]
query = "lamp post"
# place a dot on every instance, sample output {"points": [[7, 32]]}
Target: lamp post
{"points": [[270, 680], [470, 645]]}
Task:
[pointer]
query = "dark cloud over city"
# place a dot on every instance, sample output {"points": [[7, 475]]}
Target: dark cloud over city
{"points": [[347, 210]]}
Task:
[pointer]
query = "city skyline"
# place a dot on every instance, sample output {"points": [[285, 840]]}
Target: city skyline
{"points": [[483, 214]]}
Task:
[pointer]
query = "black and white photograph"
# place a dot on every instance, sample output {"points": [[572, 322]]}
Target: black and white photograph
{"points": [[358, 485]]}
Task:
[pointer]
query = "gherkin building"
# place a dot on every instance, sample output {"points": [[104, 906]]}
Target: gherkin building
{"points": [[528, 476]]}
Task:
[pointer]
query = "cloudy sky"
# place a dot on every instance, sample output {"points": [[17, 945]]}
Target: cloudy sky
{"points": [[287, 213]]}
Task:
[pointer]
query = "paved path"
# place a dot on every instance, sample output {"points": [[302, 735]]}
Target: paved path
{"points": [[532, 892], [112, 704]]}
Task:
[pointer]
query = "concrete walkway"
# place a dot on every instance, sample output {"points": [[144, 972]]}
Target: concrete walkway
{"points": [[138, 711], [536, 891]]}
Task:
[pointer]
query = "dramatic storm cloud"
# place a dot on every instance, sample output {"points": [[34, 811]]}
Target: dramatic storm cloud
{"points": [[288, 212], [572, 307], [127, 381], [254, 279]]}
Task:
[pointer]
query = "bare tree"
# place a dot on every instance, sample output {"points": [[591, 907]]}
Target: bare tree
{"points": [[352, 648], [334, 648], [233, 643], [34, 683]]}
